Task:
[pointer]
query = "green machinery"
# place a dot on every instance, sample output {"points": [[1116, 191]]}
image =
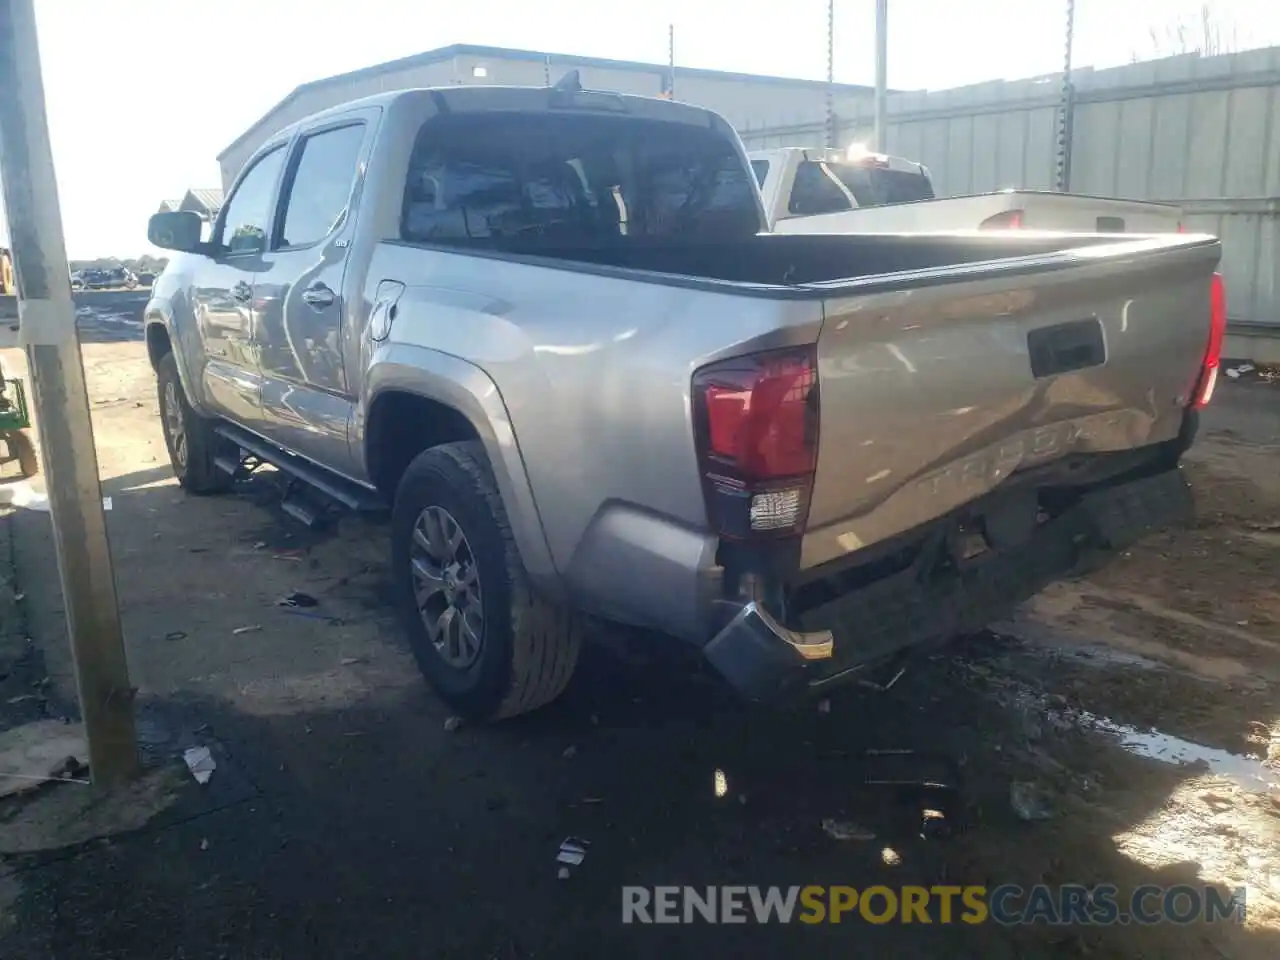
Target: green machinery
{"points": [[15, 426]]}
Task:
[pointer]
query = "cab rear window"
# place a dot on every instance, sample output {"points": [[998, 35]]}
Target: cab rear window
{"points": [[504, 178]]}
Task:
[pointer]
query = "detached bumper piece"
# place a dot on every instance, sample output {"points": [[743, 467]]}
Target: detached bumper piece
{"points": [[934, 600]]}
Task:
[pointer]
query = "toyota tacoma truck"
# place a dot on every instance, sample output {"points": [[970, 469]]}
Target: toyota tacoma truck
{"points": [[856, 191], [545, 330]]}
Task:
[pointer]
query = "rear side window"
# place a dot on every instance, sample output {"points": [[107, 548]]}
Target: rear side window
{"points": [[874, 186], [319, 187], [761, 169], [573, 179], [815, 191]]}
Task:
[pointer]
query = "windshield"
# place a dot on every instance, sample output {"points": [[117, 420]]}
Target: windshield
{"points": [[874, 186], [573, 179]]}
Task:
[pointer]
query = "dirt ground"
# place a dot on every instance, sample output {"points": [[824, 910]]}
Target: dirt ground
{"points": [[344, 819]]}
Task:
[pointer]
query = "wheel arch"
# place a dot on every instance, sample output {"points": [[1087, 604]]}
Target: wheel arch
{"points": [[416, 398]]}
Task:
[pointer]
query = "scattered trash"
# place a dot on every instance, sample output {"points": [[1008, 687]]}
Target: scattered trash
{"points": [[1263, 527], [204, 843], [1029, 801], [593, 799], [722, 784], [106, 503], [824, 705], [23, 697], [298, 599], [570, 752], [562, 873], [452, 724], [934, 824], [175, 635], [200, 762], [846, 830], [251, 628], [260, 545], [351, 661], [573, 850], [294, 555], [69, 769], [19, 597], [890, 857], [1234, 372]]}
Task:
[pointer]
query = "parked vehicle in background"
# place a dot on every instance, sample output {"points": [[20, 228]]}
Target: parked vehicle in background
{"points": [[77, 280], [832, 191], [146, 278], [545, 329]]}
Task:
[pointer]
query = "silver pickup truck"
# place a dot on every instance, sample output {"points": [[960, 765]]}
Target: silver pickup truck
{"points": [[543, 328]]}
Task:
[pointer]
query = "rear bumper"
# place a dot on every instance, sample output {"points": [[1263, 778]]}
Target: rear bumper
{"points": [[933, 598]]}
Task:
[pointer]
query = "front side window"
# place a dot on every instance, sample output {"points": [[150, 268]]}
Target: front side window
{"points": [[814, 191], [573, 179], [248, 212], [320, 188]]}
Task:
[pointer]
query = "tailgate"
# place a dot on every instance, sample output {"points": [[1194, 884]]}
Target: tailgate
{"points": [[935, 386]]}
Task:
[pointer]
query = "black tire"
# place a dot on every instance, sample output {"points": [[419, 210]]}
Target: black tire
{"points": [[24, 451], [528, 646], [197, 472]]}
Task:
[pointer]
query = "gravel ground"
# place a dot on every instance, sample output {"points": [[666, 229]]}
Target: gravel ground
{"points": [[344, 819]]}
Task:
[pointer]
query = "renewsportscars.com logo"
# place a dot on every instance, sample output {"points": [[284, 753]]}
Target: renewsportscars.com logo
{"points": [[1008, 905]]}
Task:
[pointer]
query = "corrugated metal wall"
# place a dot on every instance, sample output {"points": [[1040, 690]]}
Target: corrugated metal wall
{"points": [[1199, 131]]}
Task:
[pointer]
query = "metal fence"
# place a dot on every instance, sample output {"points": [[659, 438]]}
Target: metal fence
{"points": [[1198, 131]]}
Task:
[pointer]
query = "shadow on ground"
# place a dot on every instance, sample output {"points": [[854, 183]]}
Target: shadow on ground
{"points": [[350, 822]]}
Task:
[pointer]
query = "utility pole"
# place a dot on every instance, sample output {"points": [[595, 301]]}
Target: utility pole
{"points": [[832, 133], [47, 328], [882, 73], [1066, 108], [671, 61]]}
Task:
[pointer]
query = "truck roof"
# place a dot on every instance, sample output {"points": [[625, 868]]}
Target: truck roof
{"points": [[475, 98]]}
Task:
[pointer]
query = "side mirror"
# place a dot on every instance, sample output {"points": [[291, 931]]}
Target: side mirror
{"points": [[177, 230]]}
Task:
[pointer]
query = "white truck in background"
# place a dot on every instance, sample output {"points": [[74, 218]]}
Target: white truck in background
{"points": [[854, 191]]}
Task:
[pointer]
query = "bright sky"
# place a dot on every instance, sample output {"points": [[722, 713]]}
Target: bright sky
{"points": [[143, 95]]}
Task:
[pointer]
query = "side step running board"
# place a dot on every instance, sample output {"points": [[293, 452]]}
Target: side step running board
{"points": [[350, 495]]}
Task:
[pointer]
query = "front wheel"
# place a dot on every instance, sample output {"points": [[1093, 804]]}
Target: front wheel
{"points": [[489, 646], [189, 437]]}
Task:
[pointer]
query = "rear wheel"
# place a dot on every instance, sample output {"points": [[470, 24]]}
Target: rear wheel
{"points": [[488, 645], [24, 451], [189, 437]]}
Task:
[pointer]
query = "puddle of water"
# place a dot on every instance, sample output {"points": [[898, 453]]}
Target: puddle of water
{"points": [[1248, 772]]}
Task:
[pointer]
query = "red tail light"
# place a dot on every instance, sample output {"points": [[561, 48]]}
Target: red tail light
{"points": [[756, 427], [1182, 227], [1008, 220], [1213, 352]]}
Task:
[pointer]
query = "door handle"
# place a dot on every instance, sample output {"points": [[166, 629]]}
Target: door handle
{"points": [[242, 292], [318, 296]]}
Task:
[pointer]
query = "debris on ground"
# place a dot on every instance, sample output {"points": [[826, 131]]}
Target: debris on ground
{"points": [[570, 752], [251, 628], [452, 723], [573, 850], [298, 599], [1234, 372], [69, 768], [1030, 801], [846, 830], [824, 705], [200, 762], [174, 635], [351, 661], [204, 843]]}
